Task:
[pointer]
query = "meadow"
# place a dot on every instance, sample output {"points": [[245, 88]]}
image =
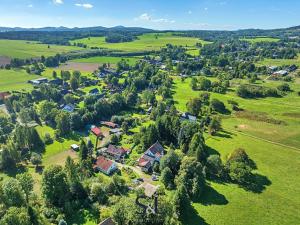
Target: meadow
{"points": [[271, 146], [15, 80], [279, 62], [146, 42], [260, 39], [31, 49], [107, 59]]}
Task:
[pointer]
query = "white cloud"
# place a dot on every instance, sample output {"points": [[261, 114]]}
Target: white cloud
{"points": [[147, 17], [205, 8], [85, 5], [58, 2], [190, 12]]}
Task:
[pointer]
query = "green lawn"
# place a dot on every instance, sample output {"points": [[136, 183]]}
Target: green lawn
{"points": [[15, 80], [260, 39], [146, 42], [279, 62], [30, 49], [279, 203], [106, 59]]}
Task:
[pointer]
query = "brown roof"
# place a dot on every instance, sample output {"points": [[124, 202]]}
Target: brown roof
{"points": [[96, 131], [4, 95], [115, 150], [103, 163], [109, 124], [108, 221], [145, 161], [156, 149]]}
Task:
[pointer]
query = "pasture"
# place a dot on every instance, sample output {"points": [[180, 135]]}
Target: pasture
{"points": [[107, 59], [279, 62], [275, 149], [260, 39], [31, 49], [146, 42]]}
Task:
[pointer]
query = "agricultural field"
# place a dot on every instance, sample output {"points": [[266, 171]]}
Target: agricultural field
{"points": [[15, 80], [146, 42], [107, 59], [260, 39], [271, 146], [31, 49]]}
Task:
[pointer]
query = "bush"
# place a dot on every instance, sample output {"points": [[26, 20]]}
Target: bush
{"points": [[47, 139]]}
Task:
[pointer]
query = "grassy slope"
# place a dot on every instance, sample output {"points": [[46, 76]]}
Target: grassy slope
{"points": [[14, 80], [106, 59], [280, 202], [260, 39], [30, 49], [145, 42]]}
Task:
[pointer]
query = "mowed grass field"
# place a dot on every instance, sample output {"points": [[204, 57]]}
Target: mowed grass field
{"points": [[275, 149], [15, 80], [107, 59], [279, 62], [31, 49], [146, 42], [260, 39]]}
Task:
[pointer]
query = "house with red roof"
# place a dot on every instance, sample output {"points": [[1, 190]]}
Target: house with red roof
{"points": [[152, 155], [4, 95], [105, 165], [97, 131], [115, 153]]}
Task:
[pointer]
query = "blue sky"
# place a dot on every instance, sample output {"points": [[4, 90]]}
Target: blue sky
{"points": [[157, 14]]}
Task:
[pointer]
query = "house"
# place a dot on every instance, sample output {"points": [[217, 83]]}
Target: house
{"points": [[94, 91], [38, 81], [115, 152], [109, 124], [292, 68], [189, 117], [96, 131], [75, 147], [273, 68], [281, 72], [116, 131], [105, 165], [152, 155], [150, 190], [108, 221], [149, 110], [4, 95], [69, 108], [64, 92]]}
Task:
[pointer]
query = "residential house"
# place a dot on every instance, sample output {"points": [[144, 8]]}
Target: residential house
{"points": [[109, 124], [116, 153], [94, 91], [116, 131], [4, 95], [96, 131], [105, 165], [56, 82], [152, 155], [69, 108], [281, 72], [38, 81], [292, 68], [75, 147], [189, 117]]}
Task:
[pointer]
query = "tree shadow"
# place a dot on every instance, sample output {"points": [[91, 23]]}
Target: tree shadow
{"points": [[13, 172], [192, 217], [211, 151], [257, 183], [211, 197]]}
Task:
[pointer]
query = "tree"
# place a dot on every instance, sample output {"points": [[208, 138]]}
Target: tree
{"points": [[240, 172], [171, 160], [74, 83], [240, 155], [217, 106], [149, 137], [197, 147], [35, 158], [98, 194], [12, 193], [167, 178], [54, 74], [214, 166], [194, 106], [181, 201], [63, 123], [186, 133], [16, 216], [55, 188], [83, 151], [214, 125], [26, 181]]}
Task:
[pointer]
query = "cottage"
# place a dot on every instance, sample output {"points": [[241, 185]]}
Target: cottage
{"points": [[56, 82], [281, 73], [116, 131], [292, 68], [105, 165], [115, 152], [109, 124], [96, 131], [38, 81], [69, 108], [189, 117], [152, 155]]}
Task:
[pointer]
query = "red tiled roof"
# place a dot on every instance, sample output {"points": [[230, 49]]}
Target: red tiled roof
{"points": [[96, 131], [3, 95], [103, 163], [145, 160]]}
